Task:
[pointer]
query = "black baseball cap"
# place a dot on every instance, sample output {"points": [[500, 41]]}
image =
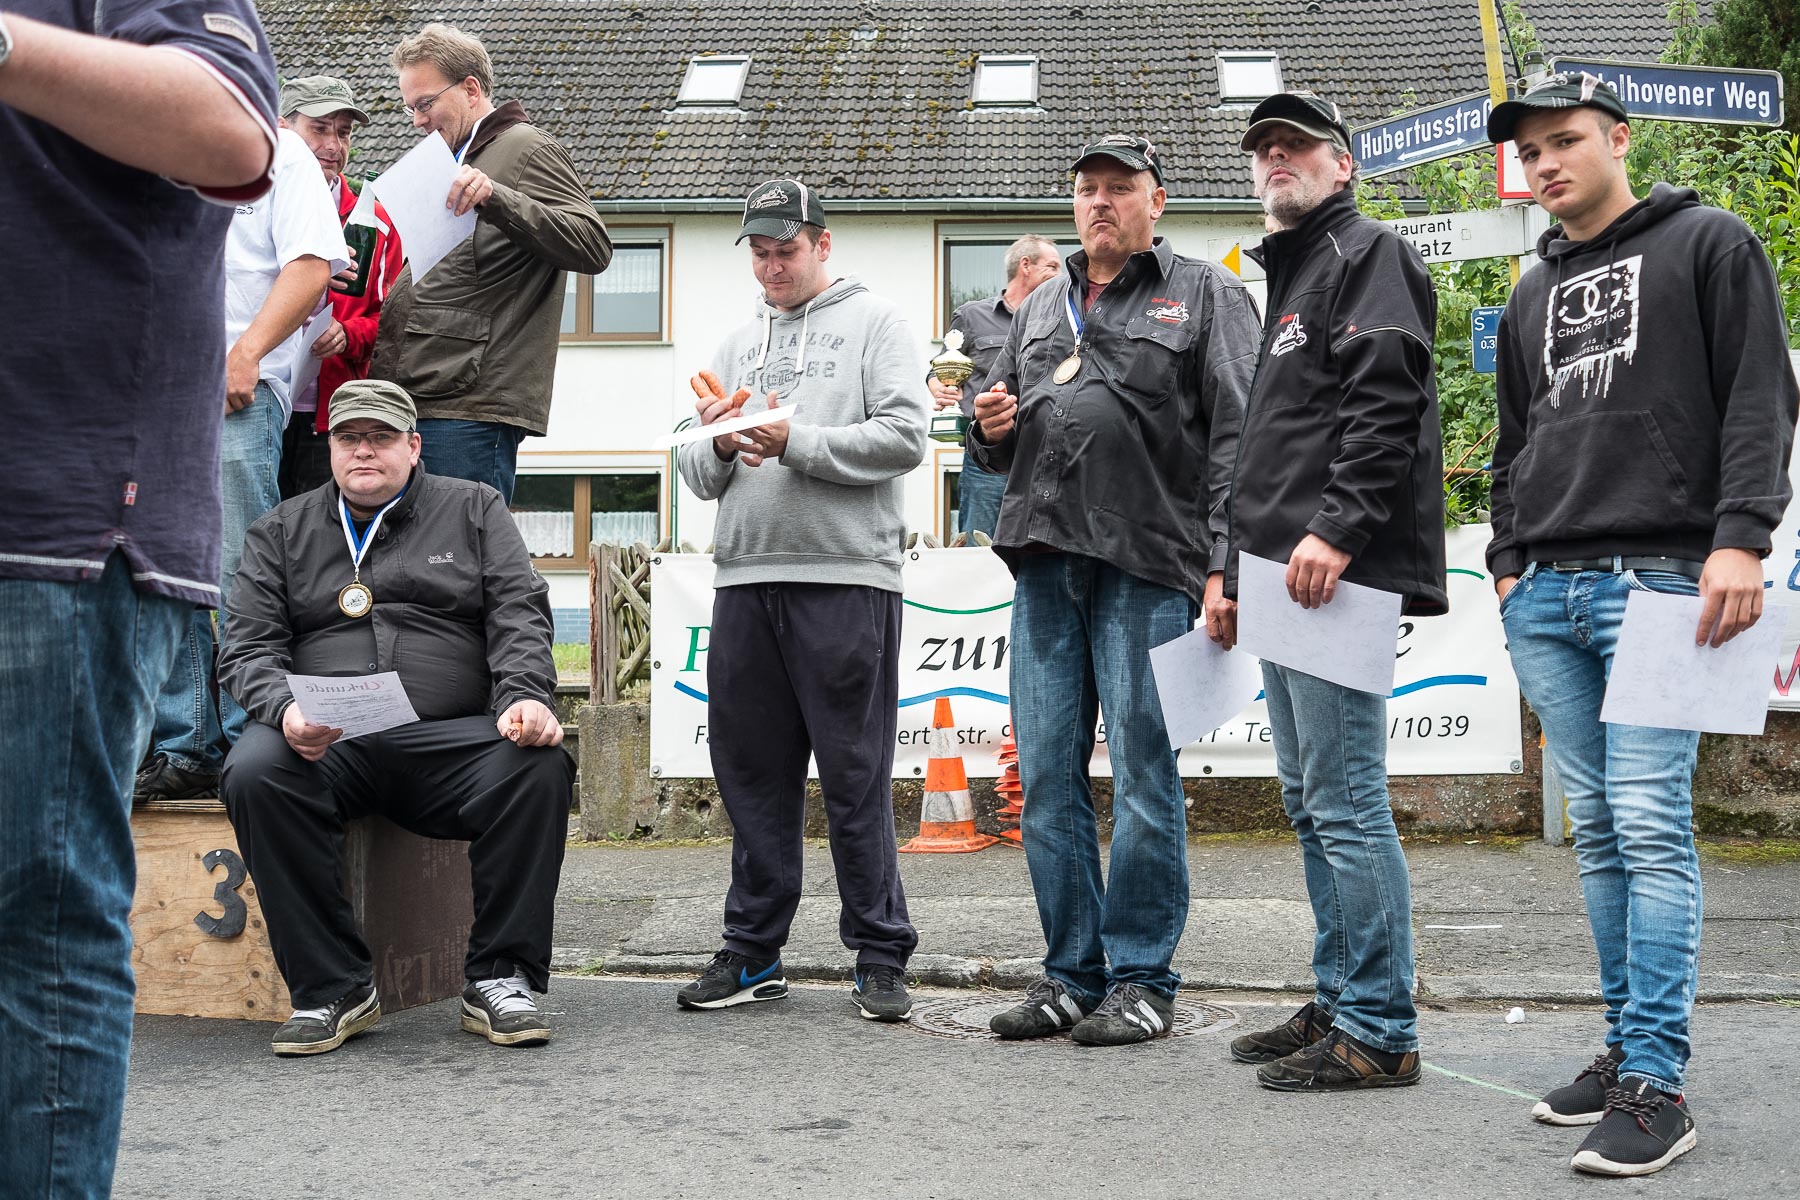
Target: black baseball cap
{"points": [[1140, 154], [1565, 89], [1310, 114], [778, 208]]}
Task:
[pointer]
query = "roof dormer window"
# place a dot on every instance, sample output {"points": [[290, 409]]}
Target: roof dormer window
{"points": [[1248, 76], [1006, 81], [714, 81]]}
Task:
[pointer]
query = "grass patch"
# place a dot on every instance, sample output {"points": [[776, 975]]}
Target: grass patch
{"points": [[571, 660], [1766, 852]]}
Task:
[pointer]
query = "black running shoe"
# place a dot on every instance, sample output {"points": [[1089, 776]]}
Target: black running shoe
{"points": [[503, 1012], [1128, 1014], [161, 779], [318, 1030], [732, 979], [1644, 1130], [1582, 1102], [1049, 1007], [880, 992], [1339, 1063], [1298, 1032]]}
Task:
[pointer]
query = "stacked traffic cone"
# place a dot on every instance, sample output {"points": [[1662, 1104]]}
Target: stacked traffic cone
{"points": [[1010, 788], [947, 818]]}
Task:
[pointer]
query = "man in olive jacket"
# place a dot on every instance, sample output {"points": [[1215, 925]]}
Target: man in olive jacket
{"points": [[388, 568], [475, 343]]}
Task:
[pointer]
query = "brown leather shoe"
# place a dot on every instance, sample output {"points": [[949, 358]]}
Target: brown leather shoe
{"points": [[1298, 1032], [1339, 1063]]}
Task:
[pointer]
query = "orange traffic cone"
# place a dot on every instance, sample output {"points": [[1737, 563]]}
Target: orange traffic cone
{"points": [[1011, 789], [947, 818]]}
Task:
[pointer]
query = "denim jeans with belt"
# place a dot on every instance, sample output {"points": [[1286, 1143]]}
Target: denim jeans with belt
{"points": [[1630, 806], [187, 725], [1331, 755], [1081, 636], [79, 667]]}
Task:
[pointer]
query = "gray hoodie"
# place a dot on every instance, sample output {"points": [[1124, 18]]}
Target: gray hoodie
{"points": [[830, 510]]}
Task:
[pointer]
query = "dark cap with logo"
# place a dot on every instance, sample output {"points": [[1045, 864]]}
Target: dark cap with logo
{"points": [[1310, 114], [319, 96], [778, 208], [1140, 154], [1565, 89]]}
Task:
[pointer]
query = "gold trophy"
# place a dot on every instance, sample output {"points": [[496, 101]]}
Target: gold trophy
{"points": [[952, 367]]}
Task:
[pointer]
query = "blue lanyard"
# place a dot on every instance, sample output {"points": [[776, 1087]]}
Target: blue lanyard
{"points": [[359, 545], [1076, 324]]}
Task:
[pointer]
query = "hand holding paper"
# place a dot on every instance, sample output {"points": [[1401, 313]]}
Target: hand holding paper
{"points": [[1349, 641], [354, 704], [1663, 679], [1201, 685], [414, 192]]}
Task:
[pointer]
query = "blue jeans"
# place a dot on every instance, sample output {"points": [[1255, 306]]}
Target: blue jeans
{"points": [[187, 727], [1081, 636], [1630, 805], [484, 451], [978, 493], [79, 667], [1331, 756]]}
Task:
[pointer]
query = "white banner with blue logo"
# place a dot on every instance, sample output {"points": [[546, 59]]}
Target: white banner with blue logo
{"points": [[1781, 576], [1455, 708]]}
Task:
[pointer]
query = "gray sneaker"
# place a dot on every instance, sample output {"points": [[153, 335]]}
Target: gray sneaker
{"points": [[319, 1030], [1129, 1013], [1049, 1007], [503, 1012]]}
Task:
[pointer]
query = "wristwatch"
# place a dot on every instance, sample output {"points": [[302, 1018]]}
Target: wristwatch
{"points": [[5, 43]]}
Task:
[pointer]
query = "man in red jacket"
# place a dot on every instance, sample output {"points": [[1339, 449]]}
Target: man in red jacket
{"points": [[323, 111]]}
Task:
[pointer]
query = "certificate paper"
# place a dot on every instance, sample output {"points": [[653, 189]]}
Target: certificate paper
{"points": [[415, 191], [1349, 641], [356, 704], [700, 433], [1661, 679], [1201, 686]]}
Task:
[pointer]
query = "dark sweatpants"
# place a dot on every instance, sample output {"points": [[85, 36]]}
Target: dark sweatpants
{"points": [[457, 780], [794, 669]]}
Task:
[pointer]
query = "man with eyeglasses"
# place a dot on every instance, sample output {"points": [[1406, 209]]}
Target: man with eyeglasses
{"points": [[475, 344], [389, 568]]}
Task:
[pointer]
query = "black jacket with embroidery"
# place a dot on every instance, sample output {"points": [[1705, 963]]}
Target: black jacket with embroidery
{"points": [[1128, 461], [1646, 402], [1341, 436]]}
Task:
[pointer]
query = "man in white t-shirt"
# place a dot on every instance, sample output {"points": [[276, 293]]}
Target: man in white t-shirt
{"points": [[280, 253]]}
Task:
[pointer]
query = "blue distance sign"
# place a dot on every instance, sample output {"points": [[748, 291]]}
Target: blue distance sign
{"points": [[1715, 95], [1422, 135], [1484, 337]]}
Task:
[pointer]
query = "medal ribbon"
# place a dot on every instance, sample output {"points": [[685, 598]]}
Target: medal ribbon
{"points": [[359, 547], [1076, 324]]}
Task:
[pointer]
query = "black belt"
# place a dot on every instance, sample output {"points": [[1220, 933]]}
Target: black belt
{"points": [[1630, 562]]}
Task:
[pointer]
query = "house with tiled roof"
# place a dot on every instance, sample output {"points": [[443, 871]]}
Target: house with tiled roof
{"points": [[936, 133]]}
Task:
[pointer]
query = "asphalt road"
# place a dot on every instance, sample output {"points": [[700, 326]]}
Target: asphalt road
{"points": [[635, 1098]]}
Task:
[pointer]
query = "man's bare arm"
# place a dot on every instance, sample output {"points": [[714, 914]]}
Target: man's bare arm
{"points": [[293, 297], [202, 134]]}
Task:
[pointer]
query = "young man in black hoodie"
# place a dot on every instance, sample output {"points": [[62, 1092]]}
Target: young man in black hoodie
{"points": [[1646, 414], [1340, 475]]}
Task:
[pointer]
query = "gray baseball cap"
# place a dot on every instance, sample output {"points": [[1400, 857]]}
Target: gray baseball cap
{"points": [[779, 208], [320, 96], [375, 399]]}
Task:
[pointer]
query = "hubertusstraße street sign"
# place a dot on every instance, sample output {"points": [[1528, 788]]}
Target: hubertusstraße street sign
{"points": [[1422, 135], [1660, 91], [1485, 233]]}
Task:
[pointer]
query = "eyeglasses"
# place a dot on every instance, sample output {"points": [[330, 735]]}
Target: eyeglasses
{"points": [[378, 439], [424, 106]]}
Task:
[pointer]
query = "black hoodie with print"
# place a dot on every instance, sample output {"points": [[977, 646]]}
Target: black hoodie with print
{"points": [[1647, 405]]}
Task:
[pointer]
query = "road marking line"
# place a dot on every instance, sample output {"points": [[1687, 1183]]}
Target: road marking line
{"points": [[1481, 1082]]}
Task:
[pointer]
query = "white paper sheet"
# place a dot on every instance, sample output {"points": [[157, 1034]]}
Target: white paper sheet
{"points": [[1201, 686], [1349, 641], [356, 704], [698, 433], [1661, 679], [306, 367], [414, 191]]}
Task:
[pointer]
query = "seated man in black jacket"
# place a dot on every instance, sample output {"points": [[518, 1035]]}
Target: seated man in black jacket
{"points": [[387, 568]]}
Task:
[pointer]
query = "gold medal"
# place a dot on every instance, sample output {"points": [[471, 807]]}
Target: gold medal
{"points": [[355, 600], [1066, 369]]}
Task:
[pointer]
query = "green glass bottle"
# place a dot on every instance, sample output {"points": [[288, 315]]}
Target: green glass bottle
{"points": [[361, 239]]}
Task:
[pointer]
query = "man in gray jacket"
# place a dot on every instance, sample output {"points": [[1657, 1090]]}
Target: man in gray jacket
{"points": [[806, 616], [387, 568], [475, 344]]}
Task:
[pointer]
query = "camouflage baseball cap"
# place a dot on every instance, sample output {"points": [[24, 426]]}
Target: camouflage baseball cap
{"points": [[320, 96]]}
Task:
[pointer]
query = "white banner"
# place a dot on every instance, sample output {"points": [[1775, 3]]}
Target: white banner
{"points": [[1455, 708], [1781, 575]]}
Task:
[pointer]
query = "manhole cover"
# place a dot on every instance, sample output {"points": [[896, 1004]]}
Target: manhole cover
{"points": [[965, 1019]]}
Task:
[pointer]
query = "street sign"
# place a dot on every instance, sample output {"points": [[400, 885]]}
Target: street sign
{"points": [[1489, 233], [1422, 135], [1509, 178], [1484, 337], [1716, 95]]}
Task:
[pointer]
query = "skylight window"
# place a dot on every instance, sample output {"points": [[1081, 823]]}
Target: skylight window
{"points": [[715, 81], [1007, 81], [1247, 76]]}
